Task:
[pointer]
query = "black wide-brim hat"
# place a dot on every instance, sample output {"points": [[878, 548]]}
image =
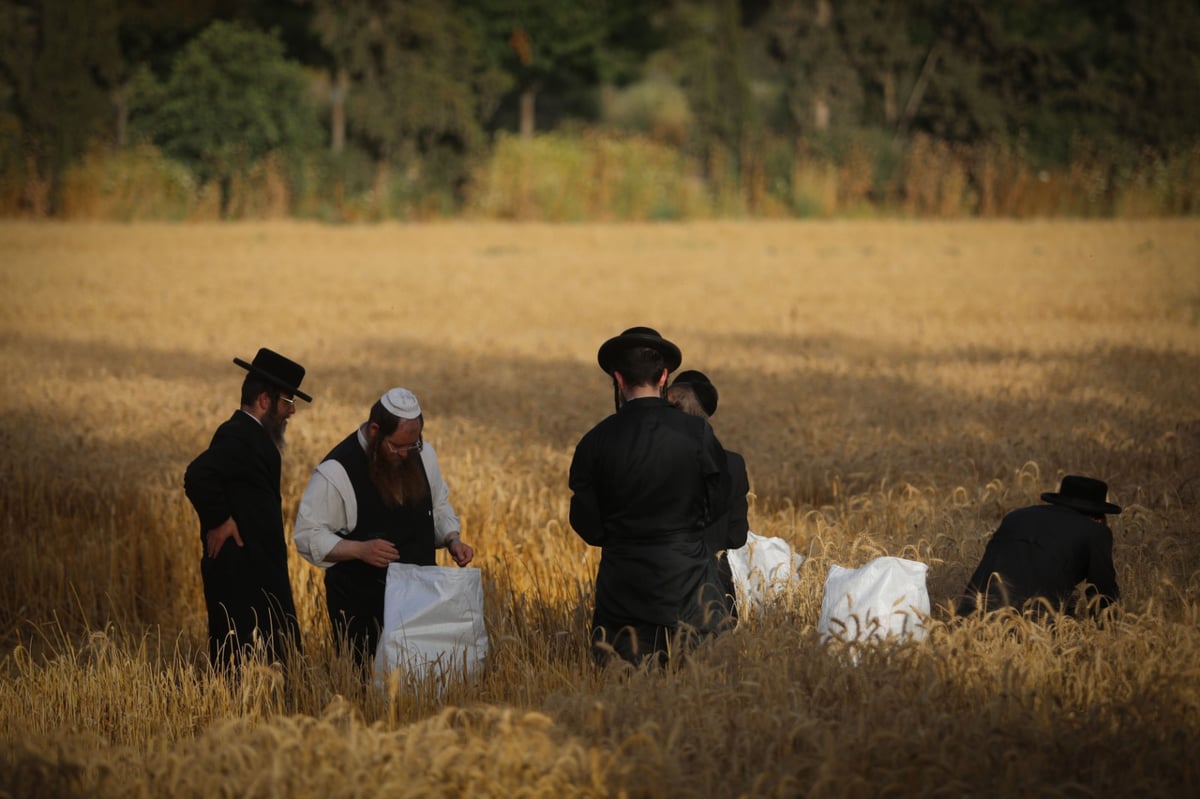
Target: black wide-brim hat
{"points": [[1085, 494], [283, 372], [638, 337], [706, 392]]}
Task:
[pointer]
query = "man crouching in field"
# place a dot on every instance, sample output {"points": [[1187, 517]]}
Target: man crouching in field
{"points": [[1040, 553], [646, 482], [234, 487]]}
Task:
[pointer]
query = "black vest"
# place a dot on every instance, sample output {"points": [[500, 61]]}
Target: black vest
{"points": [[408, 527]]}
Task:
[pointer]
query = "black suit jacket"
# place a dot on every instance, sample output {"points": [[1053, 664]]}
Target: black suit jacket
{"points": [[646, 482], [731, 530], [1043, 551], [249, 586]]}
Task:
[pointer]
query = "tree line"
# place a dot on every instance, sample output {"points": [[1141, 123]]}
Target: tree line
{"points": [[425, 87]]}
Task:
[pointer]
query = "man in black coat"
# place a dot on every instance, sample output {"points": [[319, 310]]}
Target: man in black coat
{"points": [[1042, 552], [234, 487], [692, 392], [646, 482]]}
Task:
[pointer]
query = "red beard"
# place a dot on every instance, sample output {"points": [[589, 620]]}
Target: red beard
{"points": [[399, 482]]}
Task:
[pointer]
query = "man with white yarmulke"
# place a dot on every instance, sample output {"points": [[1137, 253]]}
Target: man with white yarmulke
{"points": [[378, 497]]}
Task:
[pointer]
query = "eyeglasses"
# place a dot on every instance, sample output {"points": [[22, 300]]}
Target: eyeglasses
{"points": [[396, 449], [288, 400]]}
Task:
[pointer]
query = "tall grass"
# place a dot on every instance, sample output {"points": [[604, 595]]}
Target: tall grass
{"points": [[895, 387]]}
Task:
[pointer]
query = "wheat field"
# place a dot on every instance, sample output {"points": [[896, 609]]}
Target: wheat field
{"points": [[895, 388]]}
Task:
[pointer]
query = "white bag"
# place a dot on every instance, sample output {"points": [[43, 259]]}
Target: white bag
{"points": [[886, 596], [761, 568], [432, 621]]}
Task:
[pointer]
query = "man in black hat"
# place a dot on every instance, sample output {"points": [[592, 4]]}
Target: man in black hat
{"points": [[646, 482], [234, 487], [692, 392], [1042, 552]]}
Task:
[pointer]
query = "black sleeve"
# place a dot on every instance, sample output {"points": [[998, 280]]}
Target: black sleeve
{"points": [[1101, 573], [585, 506], [205, 480], [978, 582], [718, 485], [739, 507]]}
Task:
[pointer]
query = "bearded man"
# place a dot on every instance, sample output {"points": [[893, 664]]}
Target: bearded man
{"points": [[376, 498], [234, 487]]}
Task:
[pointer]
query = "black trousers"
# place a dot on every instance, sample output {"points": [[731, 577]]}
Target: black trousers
{"points": [[354, 598]]}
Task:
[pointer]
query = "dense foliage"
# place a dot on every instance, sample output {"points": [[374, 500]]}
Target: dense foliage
{"points": [[420, 88], [231, 99]]}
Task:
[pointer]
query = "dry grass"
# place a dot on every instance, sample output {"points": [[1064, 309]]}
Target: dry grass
{"points": [[895, 387]]}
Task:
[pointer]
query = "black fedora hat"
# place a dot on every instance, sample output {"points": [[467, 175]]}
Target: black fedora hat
{"points": [[283, 372], [638, 337], [706, 392], [1085, 494]]}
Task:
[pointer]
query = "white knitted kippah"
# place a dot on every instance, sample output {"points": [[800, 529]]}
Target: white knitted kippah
{"points": [[401, 402]]}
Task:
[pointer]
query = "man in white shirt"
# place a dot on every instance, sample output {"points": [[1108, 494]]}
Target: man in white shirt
{"points": [[378, 497]]}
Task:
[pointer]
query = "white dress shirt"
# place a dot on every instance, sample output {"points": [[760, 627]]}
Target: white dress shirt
{"points": [[329, 510]]}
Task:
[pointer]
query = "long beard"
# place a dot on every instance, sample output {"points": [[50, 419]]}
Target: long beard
{"points": [[399, 482], [276, 426]]}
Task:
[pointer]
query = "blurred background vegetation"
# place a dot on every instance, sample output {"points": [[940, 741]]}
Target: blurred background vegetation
{"points": [[361, 110]]}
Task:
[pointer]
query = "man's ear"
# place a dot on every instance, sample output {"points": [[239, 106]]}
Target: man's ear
{"points": [[662, 379], [619, 380], [263, 402]]}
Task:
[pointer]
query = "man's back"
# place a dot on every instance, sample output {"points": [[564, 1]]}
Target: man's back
{"points": [[645, 482], [1044, 551], [647, 470]]}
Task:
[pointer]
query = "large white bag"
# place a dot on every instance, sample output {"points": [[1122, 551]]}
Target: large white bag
{"points": [[762, 567], [885, 597], [432, 621]]}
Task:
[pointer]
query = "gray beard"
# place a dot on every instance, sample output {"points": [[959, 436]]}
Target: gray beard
{"points": [[276, 427]]}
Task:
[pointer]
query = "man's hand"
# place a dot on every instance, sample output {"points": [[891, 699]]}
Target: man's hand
{"points": [[377, 552], [216, 537], [461, 553]]}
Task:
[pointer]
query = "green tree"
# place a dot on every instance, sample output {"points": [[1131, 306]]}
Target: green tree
{"points": [[231, 98], [821, 88], [1143, 66], [552, 47], [1043, 72], [875, 36], [418, 85], [707, 46], [152, 33], [59, 61]]}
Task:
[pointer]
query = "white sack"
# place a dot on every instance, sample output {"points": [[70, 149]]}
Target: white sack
{"points": [[885, 597], [432, 621], [761, 568]]}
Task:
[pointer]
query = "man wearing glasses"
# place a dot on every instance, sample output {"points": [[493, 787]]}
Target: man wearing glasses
{"points": [[234, 487], [377, 498]]}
